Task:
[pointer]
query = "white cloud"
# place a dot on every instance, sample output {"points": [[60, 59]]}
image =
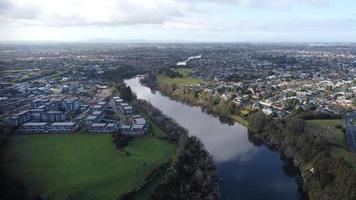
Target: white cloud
{"points": [[89, 12], [267, 3], [173, 19], [116, 12]]}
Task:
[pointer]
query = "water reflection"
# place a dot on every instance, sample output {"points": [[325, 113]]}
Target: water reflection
{"points": [[245, 170], [224, 142]]}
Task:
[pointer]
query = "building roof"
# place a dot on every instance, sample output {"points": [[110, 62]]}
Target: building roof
{"points": [[98, 125], [109, 125], [127, 107], [35, 124], [102, 103], [22, 112], [141, 121], [124, 126], [137, 126], [54, 112], [124, 104], [40, 100], [98, 112], [39, 110], [92, 117], [63, 124]]}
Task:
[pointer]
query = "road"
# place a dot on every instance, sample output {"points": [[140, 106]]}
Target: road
{"points": [[350, 124]]}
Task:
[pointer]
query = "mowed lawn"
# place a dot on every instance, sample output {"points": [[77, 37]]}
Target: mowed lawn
{"points": [[81, 166]]}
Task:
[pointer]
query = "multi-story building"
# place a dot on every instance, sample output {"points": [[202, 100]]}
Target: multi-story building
{"points": [[38, 102], [71, 105], [38, 115], [104, 127], [93, 119], [34, 127], [20, 118], [56, 116], [58, 127]]}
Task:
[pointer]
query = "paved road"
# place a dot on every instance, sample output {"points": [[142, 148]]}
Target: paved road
{"points": [[350, 123]]}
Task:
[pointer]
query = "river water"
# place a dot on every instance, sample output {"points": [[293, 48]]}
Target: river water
{"points": [[245, 171]]}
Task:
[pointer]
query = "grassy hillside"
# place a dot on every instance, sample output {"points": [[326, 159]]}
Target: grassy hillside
{"points": [[81, 166]]}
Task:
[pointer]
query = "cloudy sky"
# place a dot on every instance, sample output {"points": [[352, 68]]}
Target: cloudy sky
{"points": [[179, 20]]}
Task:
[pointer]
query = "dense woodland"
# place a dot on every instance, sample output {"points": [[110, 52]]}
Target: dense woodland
{"points": [[324, 177], [192, 175]]}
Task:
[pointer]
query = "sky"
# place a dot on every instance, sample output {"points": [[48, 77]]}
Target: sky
{"points": [[179, 20]]}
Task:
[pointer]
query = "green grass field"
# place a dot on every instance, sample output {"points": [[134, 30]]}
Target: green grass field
{"points": [[332, 134], [81, 166], [184, 71], [165, 80], [347, 155], [337, 136]]}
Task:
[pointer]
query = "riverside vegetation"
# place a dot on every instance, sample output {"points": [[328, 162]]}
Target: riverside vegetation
{"points": [[180, 90], [325, 177], [326, 166], [192, 174]]}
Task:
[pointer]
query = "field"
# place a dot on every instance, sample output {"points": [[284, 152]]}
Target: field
{"points": [[184, 71], [347, 155], [81, 166], [165, 80], [337, 136], [332, 134], [240, 120]]}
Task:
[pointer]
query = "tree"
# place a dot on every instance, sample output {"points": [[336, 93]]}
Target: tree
{"points": [[296, 125], [126, 93], [257, 121]]}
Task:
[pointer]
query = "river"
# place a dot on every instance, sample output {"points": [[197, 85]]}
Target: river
{"points": [[245, 171]]}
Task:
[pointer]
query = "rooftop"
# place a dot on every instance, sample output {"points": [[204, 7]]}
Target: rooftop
{"points": [[35, 124], [63, 124], [98, 125]]}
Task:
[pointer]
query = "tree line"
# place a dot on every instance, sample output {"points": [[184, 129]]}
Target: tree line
{"points": [[325, 177], [192, 174]]}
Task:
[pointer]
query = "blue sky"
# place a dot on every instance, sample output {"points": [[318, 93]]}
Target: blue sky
{"points": [[179, 20]]}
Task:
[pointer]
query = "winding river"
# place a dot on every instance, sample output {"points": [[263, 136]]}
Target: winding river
{"points": [[245, 171]]}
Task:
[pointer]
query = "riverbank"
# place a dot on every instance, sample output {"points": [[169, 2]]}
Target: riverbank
{"points": [[192, 174], [231, 149], [324, 176], [308, 151], [179, 89]]}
